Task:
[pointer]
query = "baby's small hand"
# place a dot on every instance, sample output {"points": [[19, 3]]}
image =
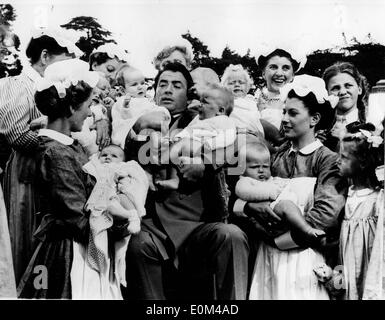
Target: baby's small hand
{"points": [[126, 101], [274, 194], [194, 105], [38, 123], [108, 101]]}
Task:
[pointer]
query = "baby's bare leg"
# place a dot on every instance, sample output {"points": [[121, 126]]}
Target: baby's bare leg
{"points": [[125, 202], [122, 207], [287, 210]]}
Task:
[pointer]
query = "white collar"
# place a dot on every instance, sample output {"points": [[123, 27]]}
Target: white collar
{"points": [[359, 193], [174, 116], [351, 116], [310, 148], [56, 135], [31, 73]]}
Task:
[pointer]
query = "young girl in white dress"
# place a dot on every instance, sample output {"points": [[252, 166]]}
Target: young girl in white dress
{"points": [[245, 112], [361, 239]]}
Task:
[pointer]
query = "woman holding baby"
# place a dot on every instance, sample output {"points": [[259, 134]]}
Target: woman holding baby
{"points": [[285, 259], [62, 189]]}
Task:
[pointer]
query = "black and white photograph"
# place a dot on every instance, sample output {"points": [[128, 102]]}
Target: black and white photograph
{"points": [[215, 151]]}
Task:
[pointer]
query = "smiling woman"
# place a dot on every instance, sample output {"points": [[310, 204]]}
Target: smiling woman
{"points": [[278, 68]]}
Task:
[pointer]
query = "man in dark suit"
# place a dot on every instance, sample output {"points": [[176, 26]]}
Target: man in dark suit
{"points": [[184, 236]]}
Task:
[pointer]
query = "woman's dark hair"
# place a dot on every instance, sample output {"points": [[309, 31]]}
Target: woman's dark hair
{"points": [[50, 104], [36, 46], [262, 60], [328, 114], [98, 58], [176, 67], [369, 156], [350, 69]]}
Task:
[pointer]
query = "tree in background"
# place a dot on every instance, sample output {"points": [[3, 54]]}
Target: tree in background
{"points": [[368, 56], [202, 58], [10, 64], [200, 50], [7, 14], [95, 36]]}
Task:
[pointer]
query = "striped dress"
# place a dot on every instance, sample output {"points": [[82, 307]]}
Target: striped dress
{"points": [[17, 110]]}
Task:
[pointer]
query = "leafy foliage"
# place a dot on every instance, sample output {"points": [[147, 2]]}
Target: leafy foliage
{"points": [[368, 57], [95, 36], [10, 64], [7, 14]]}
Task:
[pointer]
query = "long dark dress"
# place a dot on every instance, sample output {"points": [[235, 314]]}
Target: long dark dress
{"points": [[62, 191], [17, 110]]}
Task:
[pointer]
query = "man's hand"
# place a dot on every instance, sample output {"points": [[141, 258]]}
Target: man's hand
{"points": [[102, 133], [192, 169], [153, 120]]}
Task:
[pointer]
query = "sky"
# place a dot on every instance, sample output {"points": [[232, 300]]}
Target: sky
{"points": [[144, 27]]}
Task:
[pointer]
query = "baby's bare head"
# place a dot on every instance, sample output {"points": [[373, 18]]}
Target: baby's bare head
{"points": [[256, 156], [112, 153]]}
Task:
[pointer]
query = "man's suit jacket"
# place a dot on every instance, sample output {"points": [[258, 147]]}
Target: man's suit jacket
{"points": [[179, 212]]}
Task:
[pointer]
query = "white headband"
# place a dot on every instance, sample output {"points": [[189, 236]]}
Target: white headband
{"points": [[303, 84], [65, 73], [65, 38], [372, 139], [112, 50], [298, 55]]}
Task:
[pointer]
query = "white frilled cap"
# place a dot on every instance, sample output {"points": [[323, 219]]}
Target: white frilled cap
{"points": [[65, 73], [65, 38], [113, 51], [264, 49], [303, 84]]}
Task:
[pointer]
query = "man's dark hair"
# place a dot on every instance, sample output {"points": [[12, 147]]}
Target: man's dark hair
{"points": [[176, 67], [37, 45]]}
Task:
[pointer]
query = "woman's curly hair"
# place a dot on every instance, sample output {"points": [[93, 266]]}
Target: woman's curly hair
{"points": [[167, 51]]}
